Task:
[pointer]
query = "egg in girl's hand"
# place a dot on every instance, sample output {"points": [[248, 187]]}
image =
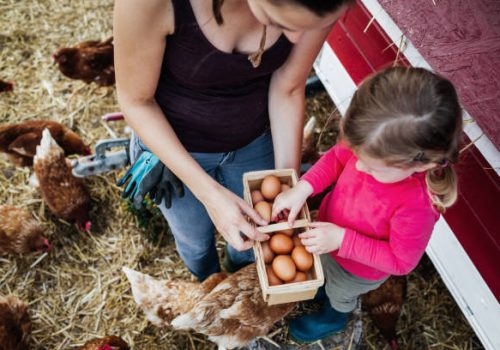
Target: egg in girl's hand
{"points": [[302, 258], [284, 268], [267, 253], [256, 196], [264, 209], [281, 244], [300, 277], [270, 187], [284, 187]]}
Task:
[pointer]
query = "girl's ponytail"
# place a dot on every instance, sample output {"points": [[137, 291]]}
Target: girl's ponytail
{"points": [[442, 185]]}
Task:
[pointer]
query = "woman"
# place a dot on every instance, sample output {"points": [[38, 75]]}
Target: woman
{"points": [[201, 83]]}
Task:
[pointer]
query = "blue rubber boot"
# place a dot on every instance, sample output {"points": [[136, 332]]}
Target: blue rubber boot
{"points": [[318, 325]]}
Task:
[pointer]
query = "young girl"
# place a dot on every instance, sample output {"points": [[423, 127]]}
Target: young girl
{"points": [[392, 176]]}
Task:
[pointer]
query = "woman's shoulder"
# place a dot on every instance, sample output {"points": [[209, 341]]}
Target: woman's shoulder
{"points": [[155, 14]]}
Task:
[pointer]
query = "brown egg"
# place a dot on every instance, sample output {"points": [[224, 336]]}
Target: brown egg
{"points": [[281, 244], [302, 258], [288, 232], [264, 209], [256, 196], [284, 187], [296, 241], [267, 253], [270, 187], [284, 268], [271, 277], [300, 277]]}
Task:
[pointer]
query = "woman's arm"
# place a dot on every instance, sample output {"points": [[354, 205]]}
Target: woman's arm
{"points": [[140, 30], [287, 99]]}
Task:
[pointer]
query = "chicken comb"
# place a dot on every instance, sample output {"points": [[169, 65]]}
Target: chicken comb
{"points": [[105, 347]]}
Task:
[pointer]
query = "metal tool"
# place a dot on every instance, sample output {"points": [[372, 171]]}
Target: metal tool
{"points": [[103, 161]]}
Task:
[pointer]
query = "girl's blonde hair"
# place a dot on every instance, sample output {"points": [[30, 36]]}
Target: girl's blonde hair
{"points": [[409, 116]]}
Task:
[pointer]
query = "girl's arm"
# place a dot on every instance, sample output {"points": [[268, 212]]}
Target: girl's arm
{"points": [[140, 29], [322, 174], [411, 230], [328, 168], [287, 99]]}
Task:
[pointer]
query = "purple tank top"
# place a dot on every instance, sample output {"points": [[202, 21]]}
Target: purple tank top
{"points": [[215, 101]]}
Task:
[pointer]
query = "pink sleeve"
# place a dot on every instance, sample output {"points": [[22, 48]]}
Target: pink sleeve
{"points": [[411, 230], [328, 168]]}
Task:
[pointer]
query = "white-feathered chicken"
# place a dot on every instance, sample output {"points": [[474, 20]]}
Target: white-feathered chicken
{"points": [[230, 311], [65, 195]]}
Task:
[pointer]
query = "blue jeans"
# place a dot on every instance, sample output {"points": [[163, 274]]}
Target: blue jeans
{"points": [[188, 219]]}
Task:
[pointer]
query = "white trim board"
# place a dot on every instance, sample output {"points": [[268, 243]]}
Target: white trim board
{"points": [[465, 283], [458, 272]]}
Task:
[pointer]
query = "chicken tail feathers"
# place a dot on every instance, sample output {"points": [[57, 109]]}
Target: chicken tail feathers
{"points": [[184, 322], [46, 143], [149, 294]]}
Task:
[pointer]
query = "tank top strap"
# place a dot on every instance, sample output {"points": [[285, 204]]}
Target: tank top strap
{"points": [[183, 13]]}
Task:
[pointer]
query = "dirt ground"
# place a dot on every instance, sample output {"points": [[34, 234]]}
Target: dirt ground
{"points": [[77, 291]]}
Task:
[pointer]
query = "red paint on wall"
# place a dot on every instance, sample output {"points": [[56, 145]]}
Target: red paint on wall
{"points": [[460, 39], [363, 44], [475, 218]]}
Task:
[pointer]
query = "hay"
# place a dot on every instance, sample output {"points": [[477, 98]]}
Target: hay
{"points": [[77, 291]]}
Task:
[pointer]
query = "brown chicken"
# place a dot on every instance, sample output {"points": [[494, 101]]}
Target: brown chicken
{"points": [[229, 310], [20, 232], [384, 306], [65, 195], [90, 61], [6, 86], [110, 342], [310, 152], [19, 141], [15, 324]]}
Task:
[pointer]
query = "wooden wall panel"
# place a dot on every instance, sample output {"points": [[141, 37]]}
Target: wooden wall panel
{"points": [[460, 39]]}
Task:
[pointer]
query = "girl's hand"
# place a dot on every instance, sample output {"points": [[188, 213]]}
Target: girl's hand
{"points": [[227, 212], [291, 200], [325, 237]]}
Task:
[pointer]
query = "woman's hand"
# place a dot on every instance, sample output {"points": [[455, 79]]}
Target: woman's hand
{"points": [[325, 237], [291, 200], [227, 212]]}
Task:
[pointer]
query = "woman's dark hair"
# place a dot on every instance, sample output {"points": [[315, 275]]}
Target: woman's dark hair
{"points": [[319, 7]]}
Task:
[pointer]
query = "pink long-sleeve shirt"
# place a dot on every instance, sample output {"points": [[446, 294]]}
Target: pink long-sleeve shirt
{"points": [[387, 226]]}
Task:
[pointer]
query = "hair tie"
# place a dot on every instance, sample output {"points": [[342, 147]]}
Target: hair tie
{"points": [[419, 157], [444, 163]]}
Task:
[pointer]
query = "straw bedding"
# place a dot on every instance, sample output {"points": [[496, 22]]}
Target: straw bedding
{"points": [[77, 291]]}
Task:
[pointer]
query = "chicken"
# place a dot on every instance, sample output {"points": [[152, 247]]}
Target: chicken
{"points": [[15, 324], [6, 86], [310, 152], [230, 311], [19, 141], [384, 306], [109, 342], [90, 61], [65, 195], [20, 232]]}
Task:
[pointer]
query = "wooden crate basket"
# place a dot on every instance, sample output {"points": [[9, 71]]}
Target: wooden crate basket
{"points": [[288, 292]]}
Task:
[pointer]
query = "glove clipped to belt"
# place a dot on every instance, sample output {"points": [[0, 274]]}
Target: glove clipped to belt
{"points": [[148, 175]]}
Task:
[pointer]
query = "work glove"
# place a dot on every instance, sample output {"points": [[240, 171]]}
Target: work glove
{"points": [[148, 175]]}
